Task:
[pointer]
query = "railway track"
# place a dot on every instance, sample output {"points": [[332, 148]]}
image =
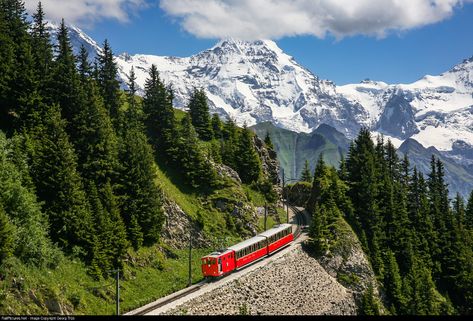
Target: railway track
{"points": [[300, 221], [180, 294]]}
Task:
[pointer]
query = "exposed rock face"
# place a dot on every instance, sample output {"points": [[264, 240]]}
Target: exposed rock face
{"points": [[292, 284], [349, 264], [269, 161], [226, 171], [176, 227]]}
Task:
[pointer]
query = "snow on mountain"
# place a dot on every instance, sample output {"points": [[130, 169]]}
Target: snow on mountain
{"points": [[435, 110], [256, 81], [253, 82]]}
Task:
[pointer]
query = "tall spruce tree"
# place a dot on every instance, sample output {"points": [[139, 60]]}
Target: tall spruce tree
{"points": [[59, 184], [306, 176], [199, 111], [248, 162], [108, 82], [268, 142], [160, 120], [95, 140], [217, 126], [197, 169], [41, 44], [140, 198]]}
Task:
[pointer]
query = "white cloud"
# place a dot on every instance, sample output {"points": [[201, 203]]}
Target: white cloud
{"points": [[86, 12], [261, 19]]}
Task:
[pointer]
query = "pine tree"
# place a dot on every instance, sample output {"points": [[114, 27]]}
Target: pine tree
{"points": [[31, 242], [133, 115], [59, 185], [268, 142], [140, 198], [21, 81], [229, 152], [108, 83], [393, 283], [6, 236], [85, 69], [64, 86], [160, 120], [41, 44], [7, 61], [469, 212], [95, 140], [199, 111], [368, 305], [248, 161], [197, 170], [459, 210], [306, 176], [217, 126], [318, 184]]}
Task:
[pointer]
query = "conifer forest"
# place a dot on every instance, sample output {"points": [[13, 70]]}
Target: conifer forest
{"points": [[78, 177]]}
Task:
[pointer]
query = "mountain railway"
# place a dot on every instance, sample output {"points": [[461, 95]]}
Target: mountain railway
{"points": [[240, 247]]}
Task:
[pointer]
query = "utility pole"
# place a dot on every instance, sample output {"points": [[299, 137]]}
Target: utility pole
{"points": [[285, 196], [265, 214], [190, 257], [117, 290]]}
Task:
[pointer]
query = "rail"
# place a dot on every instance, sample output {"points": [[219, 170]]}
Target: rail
{"points": [[300, 221]]}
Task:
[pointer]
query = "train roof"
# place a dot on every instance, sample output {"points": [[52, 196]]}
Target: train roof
{"points": [[217, 253], [242, 245], [274, 230]]}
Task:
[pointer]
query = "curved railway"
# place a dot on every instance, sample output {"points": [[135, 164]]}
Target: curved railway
{"points": [[301, 221]]}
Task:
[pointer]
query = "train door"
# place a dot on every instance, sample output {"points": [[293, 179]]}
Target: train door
{"points": [[219, 265]]}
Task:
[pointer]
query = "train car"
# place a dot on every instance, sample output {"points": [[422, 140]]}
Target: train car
{"points": [[218, 263], [249, 250], [239, 255], [278, 237]]}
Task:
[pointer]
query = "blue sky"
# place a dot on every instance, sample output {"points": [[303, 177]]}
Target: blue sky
{"points": [[398, 45]]}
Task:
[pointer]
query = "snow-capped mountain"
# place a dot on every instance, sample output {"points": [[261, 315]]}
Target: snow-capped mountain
{"points": [[256, 81], [253, 82], [435, 110]]}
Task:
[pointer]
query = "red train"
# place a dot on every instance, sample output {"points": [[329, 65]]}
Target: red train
{"points": [[236, 256]]}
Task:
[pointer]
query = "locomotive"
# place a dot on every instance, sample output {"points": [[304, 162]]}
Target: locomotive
{"points": [[239, 255]]}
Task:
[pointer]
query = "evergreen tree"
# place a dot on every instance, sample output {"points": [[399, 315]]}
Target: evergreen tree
{"points": [[469, 212], [306, 176], [217, 126], [6, 236], [108, 82], [7, 58], [64, 85], [31, 243], [229, 152], [393, 283], [268, 142], [140, 198], [85, 69], [21, 85], [199, 111], [41, 44], [160, 120], [363, 173], [369, 305], [133, 115], [59, 185], [95, 140], [197, 170], [248, 161]]}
